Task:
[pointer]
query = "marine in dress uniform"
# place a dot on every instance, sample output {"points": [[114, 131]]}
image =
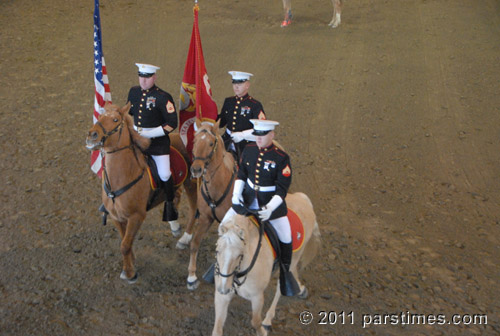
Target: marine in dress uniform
{"points": [[264, 176], [236, 113], [155, 117]]}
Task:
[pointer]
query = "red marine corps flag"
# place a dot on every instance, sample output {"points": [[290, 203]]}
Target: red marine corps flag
{"points": [[196, 96], [102, 92]]}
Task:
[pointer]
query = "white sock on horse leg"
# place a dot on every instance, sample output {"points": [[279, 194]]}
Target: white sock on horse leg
{"points": [[186, 238], [174, 225]]}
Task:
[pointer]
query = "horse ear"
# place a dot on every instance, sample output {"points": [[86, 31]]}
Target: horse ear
{"points": [[198, 123], [124, 110], [222, 228], [241, 234], [215, 127]]}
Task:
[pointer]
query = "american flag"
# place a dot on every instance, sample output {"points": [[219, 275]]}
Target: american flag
{"points": [[102, 92]]}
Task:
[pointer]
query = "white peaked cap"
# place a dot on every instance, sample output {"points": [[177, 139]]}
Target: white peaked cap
{"points": [[262, 127], [147, 68], [239, 76]]}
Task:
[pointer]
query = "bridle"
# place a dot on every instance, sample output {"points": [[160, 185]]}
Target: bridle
{"points": [[207, 159], [107, 134], [106, 183], [236, 272], [213, 204]]}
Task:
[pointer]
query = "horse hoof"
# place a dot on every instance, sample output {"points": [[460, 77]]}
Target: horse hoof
{"points": [[304, 294], [193, 285], [181, 246], [131, 280], [267, 328]]}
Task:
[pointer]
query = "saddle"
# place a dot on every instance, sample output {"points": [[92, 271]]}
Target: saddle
{"points": [[272, 237], [178, 168]]}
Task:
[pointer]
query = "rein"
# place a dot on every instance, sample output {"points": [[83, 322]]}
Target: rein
{"points": [[210, 201]]}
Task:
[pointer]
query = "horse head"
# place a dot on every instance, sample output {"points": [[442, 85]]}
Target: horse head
{"points": [[229, 252], [206, 143], [110, 125]]}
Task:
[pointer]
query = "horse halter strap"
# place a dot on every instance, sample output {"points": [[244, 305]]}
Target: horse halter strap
{"points": [[212, 152], [236, 272], [113, 131]]}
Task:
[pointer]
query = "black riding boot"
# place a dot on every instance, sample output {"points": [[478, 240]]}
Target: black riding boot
{"points": [[169, 211], [288, 284]]}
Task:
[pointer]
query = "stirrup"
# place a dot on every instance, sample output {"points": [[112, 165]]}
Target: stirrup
{"points": [[209, 275], [105, 213], [288, 284], [169, 212]]}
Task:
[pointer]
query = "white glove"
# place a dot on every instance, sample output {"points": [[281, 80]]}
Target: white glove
{"points": [[237, 136], [237, 192], [267, 210], [248, 136], [153, 133]]}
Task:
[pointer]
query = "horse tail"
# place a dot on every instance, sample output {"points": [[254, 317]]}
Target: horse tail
{"points": [[312, 247], [314, 243]]}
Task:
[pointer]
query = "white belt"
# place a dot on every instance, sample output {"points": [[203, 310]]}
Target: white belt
{"points": [[228, 131], [143, 128], [260, 188]]}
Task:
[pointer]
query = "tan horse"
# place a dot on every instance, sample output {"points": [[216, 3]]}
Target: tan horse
{"points": [[335, 22], [125, 173], [237, 244], [216, 170]]}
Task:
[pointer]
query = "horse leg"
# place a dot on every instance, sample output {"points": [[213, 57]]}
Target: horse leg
{"points": [[203, 224], [221, 304], [133, 224], [267, 323], [337, 10], [287, 8], [191, 191], [257, 304]]}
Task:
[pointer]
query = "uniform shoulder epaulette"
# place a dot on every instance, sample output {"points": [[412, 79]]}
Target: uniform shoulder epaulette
{"points": [[279, 151]]}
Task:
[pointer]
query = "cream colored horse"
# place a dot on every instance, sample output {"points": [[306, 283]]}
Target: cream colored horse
{"points": [[236, 247], [337, 10]]}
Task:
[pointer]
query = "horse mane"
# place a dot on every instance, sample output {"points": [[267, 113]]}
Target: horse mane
{"points": [[141, 142]]}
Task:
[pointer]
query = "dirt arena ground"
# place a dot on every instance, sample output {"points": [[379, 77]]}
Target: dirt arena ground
{"points": [[391, 122]]}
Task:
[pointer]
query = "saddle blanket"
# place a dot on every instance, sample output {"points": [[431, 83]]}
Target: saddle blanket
{"points": [[178, 167]]}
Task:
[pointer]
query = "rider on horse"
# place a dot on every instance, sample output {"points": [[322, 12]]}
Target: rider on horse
{"points": [[236, 113], [264, 176], [155, 117]]}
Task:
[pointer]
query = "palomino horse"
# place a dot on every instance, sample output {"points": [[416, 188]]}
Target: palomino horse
{"points": [[244, 268], [125, 176], [217, 170], [337, 10]]}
